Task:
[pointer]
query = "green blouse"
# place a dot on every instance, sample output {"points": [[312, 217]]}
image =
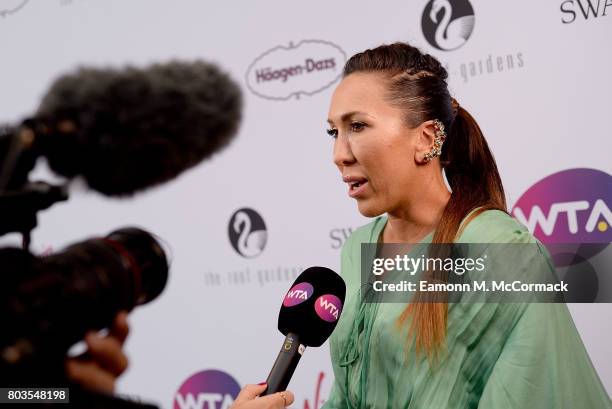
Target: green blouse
{"points": [[499, 356]]}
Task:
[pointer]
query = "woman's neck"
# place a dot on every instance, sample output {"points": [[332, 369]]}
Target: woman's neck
{"points": [[416, 218]]}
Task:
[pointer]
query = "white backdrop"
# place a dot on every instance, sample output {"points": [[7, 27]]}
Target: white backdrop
{"points": [[536, 75]]}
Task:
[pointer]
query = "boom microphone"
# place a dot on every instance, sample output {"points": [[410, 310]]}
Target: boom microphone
{"points": [[309, 313], [126, 130]]}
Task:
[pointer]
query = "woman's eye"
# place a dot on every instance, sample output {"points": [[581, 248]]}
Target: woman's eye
{"points": [[332, 132], [357, 126]]}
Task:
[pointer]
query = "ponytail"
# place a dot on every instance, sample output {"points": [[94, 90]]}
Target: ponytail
{"points": [[472, 175], [475, 185]]}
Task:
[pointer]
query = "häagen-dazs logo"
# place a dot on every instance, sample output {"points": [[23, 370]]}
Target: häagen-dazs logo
{"points": [[8, 7], [571, 206], [247, 232], [298, 294], [328, 307], [305, 68], [210, 389], [448, 24]]}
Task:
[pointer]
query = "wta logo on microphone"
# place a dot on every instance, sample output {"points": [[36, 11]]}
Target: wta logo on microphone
{"points": [[298, 294], [328, 307], [209, 389]]}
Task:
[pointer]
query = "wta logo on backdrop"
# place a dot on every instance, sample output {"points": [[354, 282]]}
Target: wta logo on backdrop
{"points": [[571, 206], [209, 389], [569, 211], [295, 70], [448, 24]]}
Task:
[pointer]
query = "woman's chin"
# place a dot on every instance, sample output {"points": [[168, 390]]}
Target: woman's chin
{"points": [[369, 209]]}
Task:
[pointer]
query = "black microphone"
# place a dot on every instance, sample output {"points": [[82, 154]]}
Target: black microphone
{"points": [[124, 130], [309, 313]]}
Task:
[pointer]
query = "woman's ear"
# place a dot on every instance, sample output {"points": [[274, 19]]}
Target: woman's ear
{"points": [[425, 136]]}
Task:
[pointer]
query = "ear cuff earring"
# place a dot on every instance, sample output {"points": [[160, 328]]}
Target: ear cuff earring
{"points": [[440, 137]]}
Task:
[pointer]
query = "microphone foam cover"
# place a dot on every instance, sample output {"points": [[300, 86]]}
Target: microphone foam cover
{"points": [[312, 306], [139, 127]]}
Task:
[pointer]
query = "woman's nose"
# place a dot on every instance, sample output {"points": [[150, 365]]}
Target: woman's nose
{"points": [[343, 155]]}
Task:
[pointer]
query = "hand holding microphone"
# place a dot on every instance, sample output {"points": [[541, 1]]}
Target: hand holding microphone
{"points": [[249, 398]]}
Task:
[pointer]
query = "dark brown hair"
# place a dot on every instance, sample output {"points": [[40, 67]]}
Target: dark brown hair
{"points": [[417, 85]]}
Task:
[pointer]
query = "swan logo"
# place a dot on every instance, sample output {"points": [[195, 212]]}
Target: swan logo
{"points": [[328, 307], [210, 389], [448, 24], [571, 206], [247, 232], [298, 294], [8, 7]]}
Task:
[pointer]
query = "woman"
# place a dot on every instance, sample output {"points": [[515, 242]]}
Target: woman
{"points": [[395, 129]]}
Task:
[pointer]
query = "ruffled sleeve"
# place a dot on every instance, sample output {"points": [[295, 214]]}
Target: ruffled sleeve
{"points": [[544, 365]]}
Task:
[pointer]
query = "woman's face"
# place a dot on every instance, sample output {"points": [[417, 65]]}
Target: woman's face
{"points": [[374, 149]]}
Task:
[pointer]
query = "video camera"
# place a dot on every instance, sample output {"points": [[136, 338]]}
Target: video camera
{"points": [[121, 131]]}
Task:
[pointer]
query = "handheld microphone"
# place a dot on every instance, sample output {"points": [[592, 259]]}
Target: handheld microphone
{"points": [[309, 314]]}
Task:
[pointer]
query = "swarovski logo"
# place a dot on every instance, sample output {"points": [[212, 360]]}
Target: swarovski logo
{"points": [[586, 9]]}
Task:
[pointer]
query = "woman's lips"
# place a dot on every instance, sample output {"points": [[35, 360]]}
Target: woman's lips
{"points": [[357, 189], [357, 185]]}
